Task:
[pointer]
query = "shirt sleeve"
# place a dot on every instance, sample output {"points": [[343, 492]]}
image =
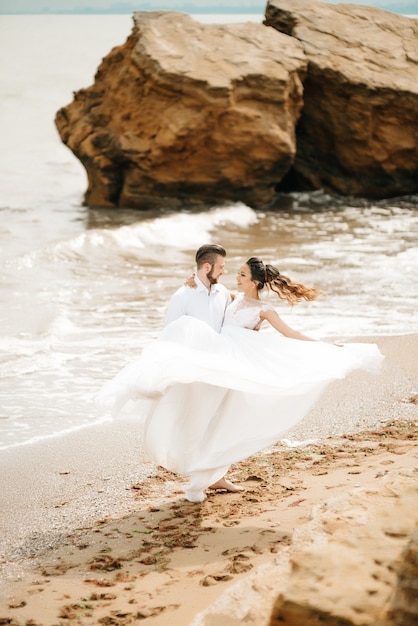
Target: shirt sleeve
{"points": [[176, 306]]}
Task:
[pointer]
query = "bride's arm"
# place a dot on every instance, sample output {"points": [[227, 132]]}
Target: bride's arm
{"points": [[278, 324]]}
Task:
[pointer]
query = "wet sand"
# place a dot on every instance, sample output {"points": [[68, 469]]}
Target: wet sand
{"points": [[90, 531]]}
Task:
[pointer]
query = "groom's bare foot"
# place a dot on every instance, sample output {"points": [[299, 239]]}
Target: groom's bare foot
{"points": [[223, 483]]}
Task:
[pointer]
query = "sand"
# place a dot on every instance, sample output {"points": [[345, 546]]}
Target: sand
{"points": [[92, 534]]}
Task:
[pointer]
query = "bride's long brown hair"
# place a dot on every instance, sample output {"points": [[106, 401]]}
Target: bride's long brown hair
{"points": [[283, 286]]}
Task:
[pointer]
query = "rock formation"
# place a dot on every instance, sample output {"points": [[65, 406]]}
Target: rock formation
{"points": [[355, 563], [358, 133], [186, 113], [404, 608]]}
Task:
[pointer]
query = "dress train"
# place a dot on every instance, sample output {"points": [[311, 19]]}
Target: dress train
{"points": [[207, 400]]}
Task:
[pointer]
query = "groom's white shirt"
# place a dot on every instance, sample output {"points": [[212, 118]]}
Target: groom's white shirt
{"points": [[197, 302]]}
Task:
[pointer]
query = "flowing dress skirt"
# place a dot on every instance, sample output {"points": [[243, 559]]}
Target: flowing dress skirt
{"points": [[207, 400]]}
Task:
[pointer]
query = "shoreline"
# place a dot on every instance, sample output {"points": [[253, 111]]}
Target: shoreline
{"points": [[70, 492]]}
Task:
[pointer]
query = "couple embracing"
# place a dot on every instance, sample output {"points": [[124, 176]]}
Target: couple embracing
{"points": [[214, 388]]}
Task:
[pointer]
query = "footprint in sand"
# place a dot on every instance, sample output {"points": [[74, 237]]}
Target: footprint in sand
{"points": [[213, 579]]}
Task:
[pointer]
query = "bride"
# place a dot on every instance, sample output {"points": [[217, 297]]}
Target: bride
{"points": [[207, 399]]}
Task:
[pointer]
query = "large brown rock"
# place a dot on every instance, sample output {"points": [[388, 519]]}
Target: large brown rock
{"points": [[358, 133], [185, 112], [351, 560], [353, 564], [404, 611]]}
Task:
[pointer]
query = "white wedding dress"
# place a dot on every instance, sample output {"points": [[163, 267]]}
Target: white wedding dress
{"points": [[207, 400]]}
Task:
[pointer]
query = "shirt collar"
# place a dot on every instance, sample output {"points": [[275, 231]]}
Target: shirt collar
{"points": [[202, 287]]}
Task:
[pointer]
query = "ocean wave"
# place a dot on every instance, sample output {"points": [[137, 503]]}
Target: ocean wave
{"points": [[185, 230]]}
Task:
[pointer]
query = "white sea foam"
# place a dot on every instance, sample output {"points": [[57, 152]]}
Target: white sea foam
{"points": [[185, 231]]}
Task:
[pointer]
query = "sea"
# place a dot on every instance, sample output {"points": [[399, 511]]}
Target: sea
{"points": [[83, 290]]}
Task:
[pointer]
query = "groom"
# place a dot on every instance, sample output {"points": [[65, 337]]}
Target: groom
{"points": [[208, 301]]}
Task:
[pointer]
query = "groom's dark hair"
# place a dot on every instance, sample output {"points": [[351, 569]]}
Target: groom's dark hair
{"points": [[208, 254]]}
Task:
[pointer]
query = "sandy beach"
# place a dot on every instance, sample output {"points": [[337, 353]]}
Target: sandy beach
{"points": [[93, 534]]}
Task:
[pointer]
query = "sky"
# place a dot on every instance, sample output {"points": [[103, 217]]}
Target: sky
{"points": [[128, 6]]}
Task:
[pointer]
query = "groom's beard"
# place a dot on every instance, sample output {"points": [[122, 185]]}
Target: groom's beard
{"points": [[211, 278]]}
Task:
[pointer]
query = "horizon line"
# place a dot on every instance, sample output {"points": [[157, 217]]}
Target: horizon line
{"points": [[127, 12], [178, 10]]}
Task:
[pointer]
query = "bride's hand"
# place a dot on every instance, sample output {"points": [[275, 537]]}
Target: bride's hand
{"points": [[190, 282]]}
